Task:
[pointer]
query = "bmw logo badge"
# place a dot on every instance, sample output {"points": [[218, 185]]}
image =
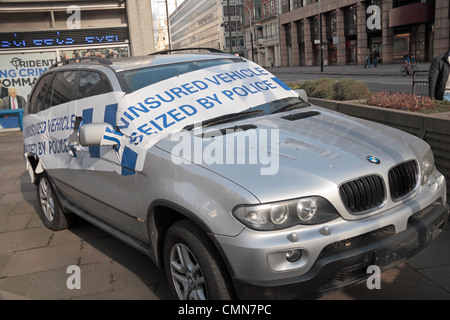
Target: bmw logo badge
{"points": [[373, 159]]}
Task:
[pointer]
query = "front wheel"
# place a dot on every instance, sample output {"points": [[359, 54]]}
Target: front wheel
{"points": [[413, 69], [51, 212], [194, 268]]}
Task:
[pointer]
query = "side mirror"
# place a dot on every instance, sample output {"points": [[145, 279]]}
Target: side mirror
{"points": [[92, 134], [302, 94]]}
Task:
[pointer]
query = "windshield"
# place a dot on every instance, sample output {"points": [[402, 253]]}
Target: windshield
{"points": [[271, 107], [280, 105], [136, 79]]}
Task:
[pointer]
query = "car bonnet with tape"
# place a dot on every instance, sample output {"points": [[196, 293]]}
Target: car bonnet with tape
{"points": [[227, 178]]}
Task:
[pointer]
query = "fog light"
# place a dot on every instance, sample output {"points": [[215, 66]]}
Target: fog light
{"points": [[288, 259], [293, 255]]}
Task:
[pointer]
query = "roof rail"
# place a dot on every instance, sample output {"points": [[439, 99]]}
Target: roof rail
{"points": [[187, 49], [81, 59]]}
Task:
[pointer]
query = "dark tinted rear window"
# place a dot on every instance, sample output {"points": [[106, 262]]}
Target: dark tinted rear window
{"points": [[37, 100], [62, 87], [92, 83]]}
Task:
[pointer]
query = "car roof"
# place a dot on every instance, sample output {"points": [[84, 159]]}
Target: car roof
{"points": [[129, 63], [154, 60]]}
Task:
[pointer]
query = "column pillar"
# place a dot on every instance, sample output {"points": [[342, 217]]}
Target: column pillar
{"points": [[309, 55], [441, 28], [341, 46], [284, 48], [388, 34], [361, 32], [295, 46], [325, 43], [140, 25]]}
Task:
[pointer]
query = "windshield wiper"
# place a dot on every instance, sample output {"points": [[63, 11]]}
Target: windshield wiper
{"points": [[289, 106], [223, 119]]}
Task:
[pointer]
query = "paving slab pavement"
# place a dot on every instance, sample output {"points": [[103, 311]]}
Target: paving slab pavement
{"points": [[34, 260], [350, 70]]}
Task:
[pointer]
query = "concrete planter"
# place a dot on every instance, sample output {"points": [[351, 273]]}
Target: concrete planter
{"points": [[434, 129]]}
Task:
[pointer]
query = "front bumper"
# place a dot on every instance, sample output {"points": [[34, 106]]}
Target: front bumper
{"points": [[345, 262]]}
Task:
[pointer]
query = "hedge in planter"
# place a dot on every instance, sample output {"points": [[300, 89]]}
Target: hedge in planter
{"points": [[326, 88]]}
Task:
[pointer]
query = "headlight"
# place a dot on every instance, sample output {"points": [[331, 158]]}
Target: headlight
{"points": [[285, 214], [427, 166]]}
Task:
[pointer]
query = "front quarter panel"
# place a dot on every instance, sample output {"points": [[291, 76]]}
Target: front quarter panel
{"points": [[207, 196]]}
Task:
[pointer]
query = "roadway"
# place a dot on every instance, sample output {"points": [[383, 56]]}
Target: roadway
{"points": [[381, 78]]}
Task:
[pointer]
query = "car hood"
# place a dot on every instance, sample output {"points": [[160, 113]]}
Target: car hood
{"points": [[304, 152]]}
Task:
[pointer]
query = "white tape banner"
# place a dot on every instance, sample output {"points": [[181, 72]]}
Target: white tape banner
{"points": [[48, 134], [145, 116], [156, 111], [168, 106]]}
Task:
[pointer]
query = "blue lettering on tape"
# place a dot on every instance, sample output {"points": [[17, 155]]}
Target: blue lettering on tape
{"points": [[129, 160], [281, 84], [110, 114], [112, 135]]}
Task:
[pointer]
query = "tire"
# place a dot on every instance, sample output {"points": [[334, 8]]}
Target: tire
{"points": [[194, 268], [403, 71], [413, 69], [50, 211]]}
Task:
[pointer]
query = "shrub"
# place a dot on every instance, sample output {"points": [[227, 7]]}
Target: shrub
{"points": [[441, 106], [350, 89], [321, 88], [408, 102], [326, 88]]}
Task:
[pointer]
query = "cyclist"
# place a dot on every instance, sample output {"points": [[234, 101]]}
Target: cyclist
{"points": [[410, 60], [407, 60]]}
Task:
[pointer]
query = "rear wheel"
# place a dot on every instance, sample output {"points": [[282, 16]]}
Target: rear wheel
{"points": [[194, 268], [51, 212], [403, 71]]}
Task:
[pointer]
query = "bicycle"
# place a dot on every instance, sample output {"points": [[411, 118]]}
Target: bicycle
{"points": [[409, 68]]}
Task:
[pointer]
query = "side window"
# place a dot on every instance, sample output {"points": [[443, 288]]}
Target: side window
{"points": [[62, 88], [92, 83], [37, 100]]}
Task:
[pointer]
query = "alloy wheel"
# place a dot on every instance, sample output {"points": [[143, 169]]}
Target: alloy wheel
{"points": [[187, 275], [46, 199]]}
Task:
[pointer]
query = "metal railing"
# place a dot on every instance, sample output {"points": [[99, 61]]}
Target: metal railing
{"points": [[420, 83], [18, 112]]}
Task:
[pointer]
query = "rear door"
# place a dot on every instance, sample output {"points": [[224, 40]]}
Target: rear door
{"points": [[91, 181], [48, 121]]}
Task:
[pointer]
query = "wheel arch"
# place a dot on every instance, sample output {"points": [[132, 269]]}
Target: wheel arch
{"points": [[35, 163], [162, 215]]}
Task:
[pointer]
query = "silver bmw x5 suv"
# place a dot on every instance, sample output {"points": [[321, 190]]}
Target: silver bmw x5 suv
{"points": [[227, 178]]}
